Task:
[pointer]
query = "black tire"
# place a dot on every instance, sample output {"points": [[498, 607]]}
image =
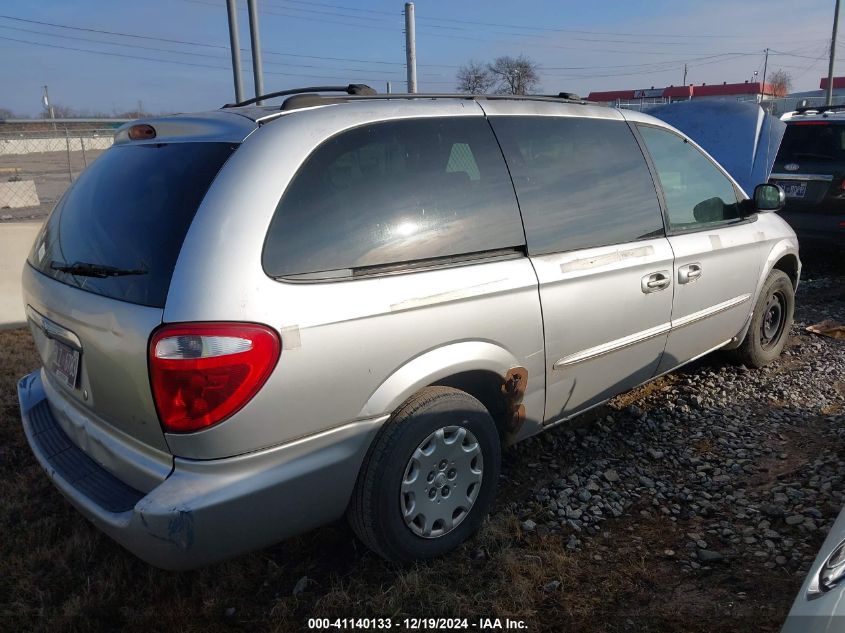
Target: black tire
{"points": [[765, 339], [375, 512]]}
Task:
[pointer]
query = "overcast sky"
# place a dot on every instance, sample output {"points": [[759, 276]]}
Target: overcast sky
{"points": [[580, 46]]}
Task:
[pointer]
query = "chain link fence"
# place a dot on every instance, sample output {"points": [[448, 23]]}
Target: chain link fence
{"points": [[37, 166]]}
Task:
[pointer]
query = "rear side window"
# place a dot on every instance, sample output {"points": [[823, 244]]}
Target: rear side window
{"points": [[697, 194], [125, 218], [812, 141], [394, 192], [580, 182]]}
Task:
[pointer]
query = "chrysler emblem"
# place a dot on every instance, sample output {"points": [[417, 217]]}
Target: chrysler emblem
{"points": [[791, 167]]}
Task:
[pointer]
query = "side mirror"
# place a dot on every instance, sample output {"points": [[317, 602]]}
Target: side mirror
{"points": [[769, 197]]}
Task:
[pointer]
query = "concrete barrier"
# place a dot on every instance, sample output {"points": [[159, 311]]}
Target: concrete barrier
{"points": [[17, 146], [16, 239], [18, 194]]}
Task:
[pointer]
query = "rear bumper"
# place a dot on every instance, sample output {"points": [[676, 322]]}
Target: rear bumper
{"points": [[204, 511]]}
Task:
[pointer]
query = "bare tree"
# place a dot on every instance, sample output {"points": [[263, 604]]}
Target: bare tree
{"points": [[515, 75], [60, 111], [5, 113], [474, 78], [781, 82]]}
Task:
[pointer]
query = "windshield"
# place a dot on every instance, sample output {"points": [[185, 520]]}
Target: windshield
{"points": [[813, 140], [118, 230]]}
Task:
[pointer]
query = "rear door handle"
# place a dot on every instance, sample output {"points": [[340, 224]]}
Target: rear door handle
{"points": [[653, 282], [689, 273]]}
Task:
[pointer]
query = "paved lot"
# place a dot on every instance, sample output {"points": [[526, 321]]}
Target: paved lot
{"points": [[693, 504]]}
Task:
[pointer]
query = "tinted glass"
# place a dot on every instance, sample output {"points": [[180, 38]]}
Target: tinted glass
{"points": [[812, 140], [697, 194], [394, 192], [580, 182], [130, 210]]}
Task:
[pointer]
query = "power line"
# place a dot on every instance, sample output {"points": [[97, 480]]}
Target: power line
{"points": [[476, 23], [823, 55], [451, 36], [169, 51], [774, 52], [220, 47], [183, 63], [646, 67], [552, 72], [672, 62], [397, 22], [209, 3], [84, 39], [302, 17], [191, 43]]}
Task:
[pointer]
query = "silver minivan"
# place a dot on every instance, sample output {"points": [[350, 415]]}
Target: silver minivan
{"points": [[257, 320]]}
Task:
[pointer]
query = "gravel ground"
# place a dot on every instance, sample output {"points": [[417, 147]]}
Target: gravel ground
{"points": [[748, 464]]}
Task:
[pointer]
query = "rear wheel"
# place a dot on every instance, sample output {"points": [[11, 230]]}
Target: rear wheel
{"points": [[429, 479], [770, 322]]}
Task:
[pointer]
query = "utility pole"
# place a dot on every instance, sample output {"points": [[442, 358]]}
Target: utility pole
{"points": [[410, 47], [685, 74], [765, 67], [388, 87], [829, 100], [48, 106], [235, 45], [257, 70]]}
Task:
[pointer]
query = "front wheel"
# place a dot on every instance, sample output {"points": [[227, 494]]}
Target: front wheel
{"points": [[770, 322], [429, 479]]}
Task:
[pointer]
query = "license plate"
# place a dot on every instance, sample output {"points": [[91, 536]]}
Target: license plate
{"points": [[66, 363], [794, 189]]}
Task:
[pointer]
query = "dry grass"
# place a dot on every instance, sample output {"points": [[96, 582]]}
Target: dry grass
{"points": [[57, 572]]}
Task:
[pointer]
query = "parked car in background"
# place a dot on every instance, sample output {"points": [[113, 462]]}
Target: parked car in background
{"points": [[255, 320], [820, 605], [810, 168]]}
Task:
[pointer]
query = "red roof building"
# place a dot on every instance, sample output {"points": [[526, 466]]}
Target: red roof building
{"points": [[675, 93], [838, 83]]}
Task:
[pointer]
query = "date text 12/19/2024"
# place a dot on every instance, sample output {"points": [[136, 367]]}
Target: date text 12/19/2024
{"points": [[417, 624]]}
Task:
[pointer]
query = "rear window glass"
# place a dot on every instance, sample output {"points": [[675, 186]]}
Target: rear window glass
{"points": [[395, 192], [812, 141], [118, 230]]}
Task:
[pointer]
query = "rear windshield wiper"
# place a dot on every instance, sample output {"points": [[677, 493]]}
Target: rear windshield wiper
{"points": [[85, 269]]}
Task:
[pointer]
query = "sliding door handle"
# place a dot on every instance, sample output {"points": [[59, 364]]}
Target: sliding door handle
{"points": [[689, 273], [654, 282]]}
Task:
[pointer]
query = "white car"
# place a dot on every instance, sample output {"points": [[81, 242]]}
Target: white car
{"points": [[820, 605]]}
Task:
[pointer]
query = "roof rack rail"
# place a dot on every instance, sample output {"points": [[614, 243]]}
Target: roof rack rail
{"points": [[351, 89], [566, 96], [302, 100], [820, 109]]}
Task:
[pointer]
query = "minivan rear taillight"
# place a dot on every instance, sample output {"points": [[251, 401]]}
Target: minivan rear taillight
{"points": [[202, 373]]}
